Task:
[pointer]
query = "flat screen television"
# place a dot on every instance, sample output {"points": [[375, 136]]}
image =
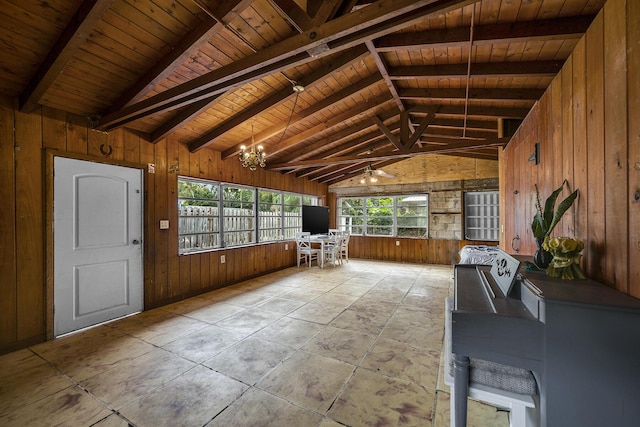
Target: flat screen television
{"points": [[315, 219]]}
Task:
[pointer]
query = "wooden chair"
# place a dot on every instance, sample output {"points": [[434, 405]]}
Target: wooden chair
{"points": [[333, 249], [344, 247], [305, 251]]}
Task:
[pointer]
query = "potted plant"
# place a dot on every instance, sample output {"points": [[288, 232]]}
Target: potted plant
{"points": [[544, 221]]}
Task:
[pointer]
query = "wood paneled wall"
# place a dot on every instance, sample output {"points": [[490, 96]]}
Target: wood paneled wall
{"points": [[588, 127], [25, 301], [423, 251]]}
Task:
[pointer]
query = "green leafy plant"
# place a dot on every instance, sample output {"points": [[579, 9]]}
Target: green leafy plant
{"points": [[545, 220]]}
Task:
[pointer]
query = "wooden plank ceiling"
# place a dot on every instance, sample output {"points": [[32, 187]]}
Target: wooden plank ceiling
{"points": [[383, 80]]}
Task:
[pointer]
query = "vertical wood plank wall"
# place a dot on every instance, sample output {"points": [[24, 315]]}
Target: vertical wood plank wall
{"points": [[588, 127], [24, 139], [25, 247]]}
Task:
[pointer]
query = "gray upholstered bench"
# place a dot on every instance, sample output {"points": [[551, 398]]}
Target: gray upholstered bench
{"points": [[500, 385]]}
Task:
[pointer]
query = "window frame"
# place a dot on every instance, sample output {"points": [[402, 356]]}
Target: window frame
{"points": [[486, 219], [364, 227], [221, 228]]}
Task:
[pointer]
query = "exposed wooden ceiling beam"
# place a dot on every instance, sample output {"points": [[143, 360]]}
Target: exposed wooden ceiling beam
{"points": [[224, 11], [395, 155], [474, 111], [325, 11], [381, 18], [426, 121], [282, 146], [474, 93], [382, 67], [542, 30], [488, 69], [74, 35], [341, 143], [387, 132], [293, 13], [336, 63]]}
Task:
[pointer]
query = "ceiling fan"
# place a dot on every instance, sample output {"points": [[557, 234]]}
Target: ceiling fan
{"points": [[371, 174]]}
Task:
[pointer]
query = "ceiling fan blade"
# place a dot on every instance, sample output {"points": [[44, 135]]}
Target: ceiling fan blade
{"points": [[380, 172]]}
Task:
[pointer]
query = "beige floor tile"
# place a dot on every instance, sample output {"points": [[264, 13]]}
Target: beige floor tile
{"points": [[351, 290], [370, 305], [132, 379], [372, 399], [205, 343], [248, 299], [301, 294], [249, 360], [113, 420], [355, 345], [317, 313], [336, 299], [215, 312], [257, 408], [328, 422], [186, 306], [426, 336], [281, 305], [342, 344], [399, 360], [83, 366], [191, 399], [360, 322], [29, 380], [308, 380], [77, 344], [159, 327], [248, 322], [320, 285], [274, 289], [385, 295], [68, 407], [411, 316], [290, 332]]}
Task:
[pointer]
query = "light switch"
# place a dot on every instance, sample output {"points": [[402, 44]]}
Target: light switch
{"points": [[164, 224]]}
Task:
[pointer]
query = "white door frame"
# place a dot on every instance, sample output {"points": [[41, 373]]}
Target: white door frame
{"points": [[48, 234]]}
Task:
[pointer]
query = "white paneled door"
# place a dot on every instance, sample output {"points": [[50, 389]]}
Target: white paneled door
{"points": [[97, 228]]}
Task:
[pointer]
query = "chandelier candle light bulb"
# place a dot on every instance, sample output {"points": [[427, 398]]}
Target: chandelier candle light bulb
{"points": [[254, 157]]}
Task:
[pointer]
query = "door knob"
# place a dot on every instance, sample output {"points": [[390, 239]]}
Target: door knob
{"points": [[136, 242]]}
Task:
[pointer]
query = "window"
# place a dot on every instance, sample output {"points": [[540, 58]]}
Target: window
{"points": [[412, 215], [481, 215], [249, 215], [239, 215], [198, 216], [396, 216]]}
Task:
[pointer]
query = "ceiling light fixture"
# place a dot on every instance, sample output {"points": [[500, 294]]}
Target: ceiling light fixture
{"points": [[368, 175], [254, 157]]}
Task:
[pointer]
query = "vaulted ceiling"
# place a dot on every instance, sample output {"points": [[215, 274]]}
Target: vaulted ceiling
{"points": [[382, 80]]}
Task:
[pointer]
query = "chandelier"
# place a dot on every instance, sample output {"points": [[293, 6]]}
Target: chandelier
{"points": [[254, 157]]}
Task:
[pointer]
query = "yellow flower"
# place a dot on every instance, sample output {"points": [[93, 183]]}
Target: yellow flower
{"points": [[553, 243], [568, 245]]}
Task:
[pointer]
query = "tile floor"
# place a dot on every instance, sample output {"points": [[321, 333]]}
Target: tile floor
{"points": [[355, 345]]}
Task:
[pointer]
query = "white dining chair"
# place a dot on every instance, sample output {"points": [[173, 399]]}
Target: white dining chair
{"points": [[344, 247], [305, 251], [332, 250]]}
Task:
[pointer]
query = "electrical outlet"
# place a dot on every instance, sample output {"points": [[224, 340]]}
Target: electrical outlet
{"points": [[223, 259], [164, 224], [397, 242], [286, 246]]}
